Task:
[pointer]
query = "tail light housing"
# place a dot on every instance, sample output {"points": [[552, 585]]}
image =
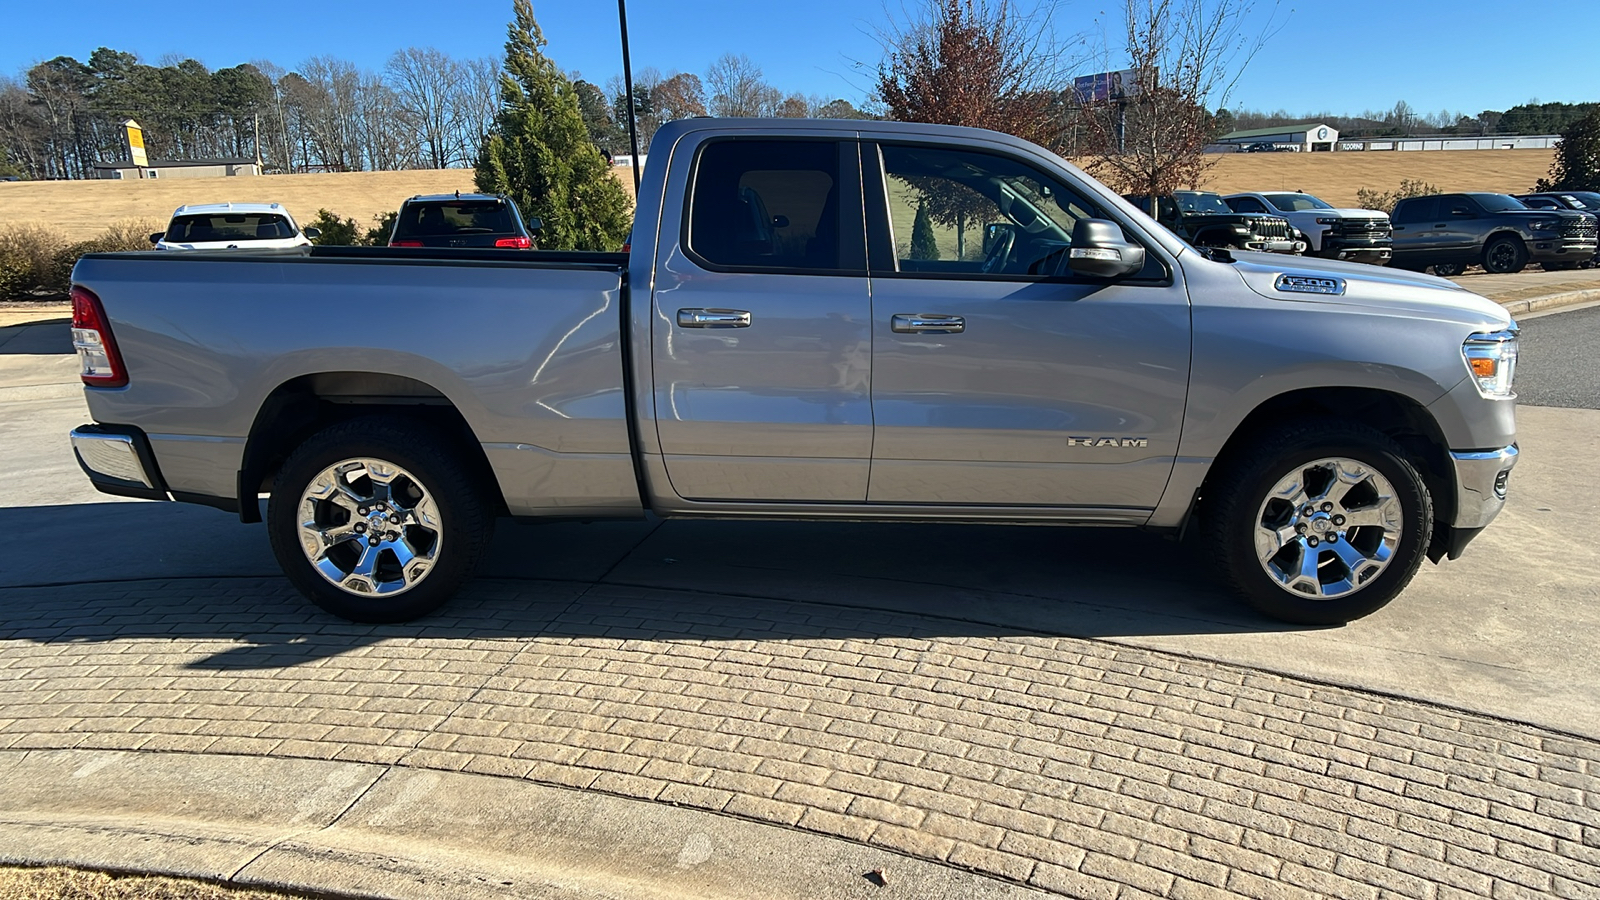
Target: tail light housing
{"points": [[520, 242], [405, 243], [98, 356]]}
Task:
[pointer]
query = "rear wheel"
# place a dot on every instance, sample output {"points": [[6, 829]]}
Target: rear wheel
{"points": [[1505, 255], [377, 520], [1449, 270], [1319, 523]]}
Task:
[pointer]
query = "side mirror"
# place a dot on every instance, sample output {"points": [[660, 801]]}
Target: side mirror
{"points": [[156, 238], [1100, 251], [1462, 212], [535, 224], [312, 233], [780, 221]]}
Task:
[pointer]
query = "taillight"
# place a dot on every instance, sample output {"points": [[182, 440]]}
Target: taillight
{"points": [[405, 243], [98, 356], [520, 242]]}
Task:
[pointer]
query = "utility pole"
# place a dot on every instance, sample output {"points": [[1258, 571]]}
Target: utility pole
{"points": [[627, 83]]}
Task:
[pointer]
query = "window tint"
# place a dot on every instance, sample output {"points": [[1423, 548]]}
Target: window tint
{"points": [[1247, 205], [1416, 210], [228, 227], [443, 218], [962, 212], [767, 204]]}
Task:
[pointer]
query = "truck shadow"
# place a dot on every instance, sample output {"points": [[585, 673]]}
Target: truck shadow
{"points": [[51, 336], [186, 572]]}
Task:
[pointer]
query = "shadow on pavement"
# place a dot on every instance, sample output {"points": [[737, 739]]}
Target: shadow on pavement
{"points": [[47, 337], [183, 571]]}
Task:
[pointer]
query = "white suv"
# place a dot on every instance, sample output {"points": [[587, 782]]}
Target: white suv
{"points": [[230, 226], [1361, 235]]}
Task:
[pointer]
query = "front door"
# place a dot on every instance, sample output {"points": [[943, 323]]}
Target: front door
{"points": [[760, 339], [1000, 378]]}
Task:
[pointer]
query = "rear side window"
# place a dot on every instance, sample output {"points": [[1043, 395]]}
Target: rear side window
{"points": [[766, 205], [444, 218], [1246, 205], [1415, 210], [228, 227]]}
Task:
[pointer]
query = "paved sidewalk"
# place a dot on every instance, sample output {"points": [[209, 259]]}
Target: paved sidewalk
{"points": [[1065, 764]]}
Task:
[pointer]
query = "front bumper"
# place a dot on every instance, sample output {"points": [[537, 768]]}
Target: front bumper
{"points": [[1361, 250], [1277, 246], [1481, 484], [118, 461]]}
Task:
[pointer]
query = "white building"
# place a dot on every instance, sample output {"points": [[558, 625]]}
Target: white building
{"points": [[174, 168], [1304, 136]]}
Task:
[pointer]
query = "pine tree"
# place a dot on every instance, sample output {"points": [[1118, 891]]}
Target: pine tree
{"points": [[540, 155], [924, 245], [1577, 163]]}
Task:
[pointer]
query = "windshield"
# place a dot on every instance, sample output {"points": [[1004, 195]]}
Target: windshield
{"points": [[1296, 202], [228, 227], [1589, 199], [1498, 202], [443, 218], [1197, 202]]}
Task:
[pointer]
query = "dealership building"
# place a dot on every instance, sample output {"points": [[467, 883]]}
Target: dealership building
{"points": [[1304, 136], [174, 168]]}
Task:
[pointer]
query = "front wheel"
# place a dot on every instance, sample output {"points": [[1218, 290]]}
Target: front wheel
{"points": [[1319, 523], [1505, 255], [377, 520], [1449, 270]]}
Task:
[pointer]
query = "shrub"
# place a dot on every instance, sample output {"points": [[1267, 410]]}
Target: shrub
{"points": [[38, 261], [383, 226], [336, 231], [1370, 199]]}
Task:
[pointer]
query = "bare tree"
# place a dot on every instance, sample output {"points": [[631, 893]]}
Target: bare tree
{"points": [[479, 98], [737, 88], [1185, 55], [426, 84]]}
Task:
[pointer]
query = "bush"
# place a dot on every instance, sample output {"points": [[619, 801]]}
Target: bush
{"points": [[1370, 199], [38, 261], [1577, 163], [348, 233]]}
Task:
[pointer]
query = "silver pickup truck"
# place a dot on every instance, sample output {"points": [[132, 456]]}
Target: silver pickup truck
{"points": [[815, 320]]}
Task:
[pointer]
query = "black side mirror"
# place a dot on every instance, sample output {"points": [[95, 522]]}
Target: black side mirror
{"points": [[1100, 251], [156, 238], [780, 221], [313, 233], [535, 224]]}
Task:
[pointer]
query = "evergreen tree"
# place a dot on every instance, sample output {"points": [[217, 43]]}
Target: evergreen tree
{"points": [[1577, 164], [924, 245], [540, 155]]}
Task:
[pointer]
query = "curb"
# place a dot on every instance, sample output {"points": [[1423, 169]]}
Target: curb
{"points": [[1551, 302]]}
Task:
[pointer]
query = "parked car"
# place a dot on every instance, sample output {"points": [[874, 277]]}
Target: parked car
{"points": [[1497, 231], [230, 226], [1266, 147], [463, 220], [1203, 219], [778, 344], [1359, 235], [1578, 201]]}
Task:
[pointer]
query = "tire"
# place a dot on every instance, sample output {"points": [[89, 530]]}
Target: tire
{"points": [[1505, 255], [1319, 568], [1449, 270], [425, 526]]}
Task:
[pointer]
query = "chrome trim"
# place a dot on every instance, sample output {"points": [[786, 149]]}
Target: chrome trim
{"points": [[1480, 487], [713, 318], [111, 455], [910, 323]]}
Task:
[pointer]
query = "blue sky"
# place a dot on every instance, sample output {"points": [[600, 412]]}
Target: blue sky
{"points": [[1336, 55]]}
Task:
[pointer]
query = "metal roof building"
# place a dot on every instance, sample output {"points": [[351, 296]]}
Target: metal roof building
{"points": [[174, 168], [1306, 136]]}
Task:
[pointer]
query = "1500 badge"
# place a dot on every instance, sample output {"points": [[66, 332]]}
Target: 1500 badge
{"points": [[1107, 442]]}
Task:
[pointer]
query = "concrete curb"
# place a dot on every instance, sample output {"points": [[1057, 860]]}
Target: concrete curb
{"points": [[360, 830], [1550, 302]]}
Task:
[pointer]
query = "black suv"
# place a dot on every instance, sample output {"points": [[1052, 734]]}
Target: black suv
{"points": [[1203, 219], [463, 220], [1496, 231], [1578, 201]]}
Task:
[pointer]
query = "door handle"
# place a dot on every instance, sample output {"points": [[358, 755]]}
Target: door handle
{"points": [[906, 323], [713, 318]]}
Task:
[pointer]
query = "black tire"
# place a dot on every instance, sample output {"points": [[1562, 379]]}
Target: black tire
{"points": [[1237, 500], [442, 542], [1449, 270], [1505, 255]]}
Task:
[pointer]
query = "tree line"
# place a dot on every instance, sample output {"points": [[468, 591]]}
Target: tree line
{"points": [[1402, 120]]}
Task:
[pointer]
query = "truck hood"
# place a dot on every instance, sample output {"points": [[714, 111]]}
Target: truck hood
{"points": [[1397, 290], [1351, 213]]}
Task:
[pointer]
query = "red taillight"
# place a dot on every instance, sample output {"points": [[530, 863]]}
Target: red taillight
{"points": [[519, 242], [98, 356], [405, 243]]}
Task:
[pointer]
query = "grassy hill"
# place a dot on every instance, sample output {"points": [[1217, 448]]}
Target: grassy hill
{"points": [[84, 208]]}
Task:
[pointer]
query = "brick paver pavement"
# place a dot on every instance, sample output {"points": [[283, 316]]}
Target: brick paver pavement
{"points": [[1078, 766]]}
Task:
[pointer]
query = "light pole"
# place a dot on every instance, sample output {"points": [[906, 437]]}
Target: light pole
{"points": [[627, 83]]}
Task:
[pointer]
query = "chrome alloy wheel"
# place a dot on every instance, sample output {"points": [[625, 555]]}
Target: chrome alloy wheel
{"points": [[369, 527], [1328, 527]]}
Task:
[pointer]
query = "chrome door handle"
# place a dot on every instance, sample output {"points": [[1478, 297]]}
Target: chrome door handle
{"points": [[914, 324], [713, 318]]}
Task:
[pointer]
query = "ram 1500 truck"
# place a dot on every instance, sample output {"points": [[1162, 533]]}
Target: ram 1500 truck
{"points": [[777, 344]]}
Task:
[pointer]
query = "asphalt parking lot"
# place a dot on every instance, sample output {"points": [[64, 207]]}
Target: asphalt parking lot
{"points": [[991, 710]]}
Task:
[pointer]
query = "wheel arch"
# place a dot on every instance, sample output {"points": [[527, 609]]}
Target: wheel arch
{"points": [[306, 404]]}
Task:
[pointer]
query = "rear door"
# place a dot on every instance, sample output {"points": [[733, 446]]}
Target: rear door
{"points": [[761, 343], [998, 377], [1415, 236]]}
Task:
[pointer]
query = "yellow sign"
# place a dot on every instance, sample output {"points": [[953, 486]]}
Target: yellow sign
{"points": [[136, 143]]}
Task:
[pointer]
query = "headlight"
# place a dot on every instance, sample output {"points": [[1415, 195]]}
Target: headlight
{"points": [[1241, 229], [1543, 224], [1492, 361], [1326, 221]]}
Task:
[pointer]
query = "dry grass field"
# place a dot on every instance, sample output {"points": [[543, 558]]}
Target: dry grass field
{"points": [[83, 208]]}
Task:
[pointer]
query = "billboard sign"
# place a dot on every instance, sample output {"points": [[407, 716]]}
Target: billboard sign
{"points": [[136, 144], [1103, 86]]}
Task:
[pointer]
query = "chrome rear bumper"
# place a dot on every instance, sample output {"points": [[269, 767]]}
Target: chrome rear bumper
{"points": [[118, 461]]}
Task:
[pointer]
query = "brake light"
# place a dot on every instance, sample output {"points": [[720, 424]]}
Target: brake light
{"points": [[100, 361], [520, 242], [405, 243]]}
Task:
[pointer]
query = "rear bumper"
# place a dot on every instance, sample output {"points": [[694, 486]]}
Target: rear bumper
{"points": [[118, 461]]}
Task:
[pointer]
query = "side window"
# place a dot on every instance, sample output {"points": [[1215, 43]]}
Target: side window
{"points": [[961, 212], [766, 205], [1457, 205], [1246, 205], [1416, 211]]}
